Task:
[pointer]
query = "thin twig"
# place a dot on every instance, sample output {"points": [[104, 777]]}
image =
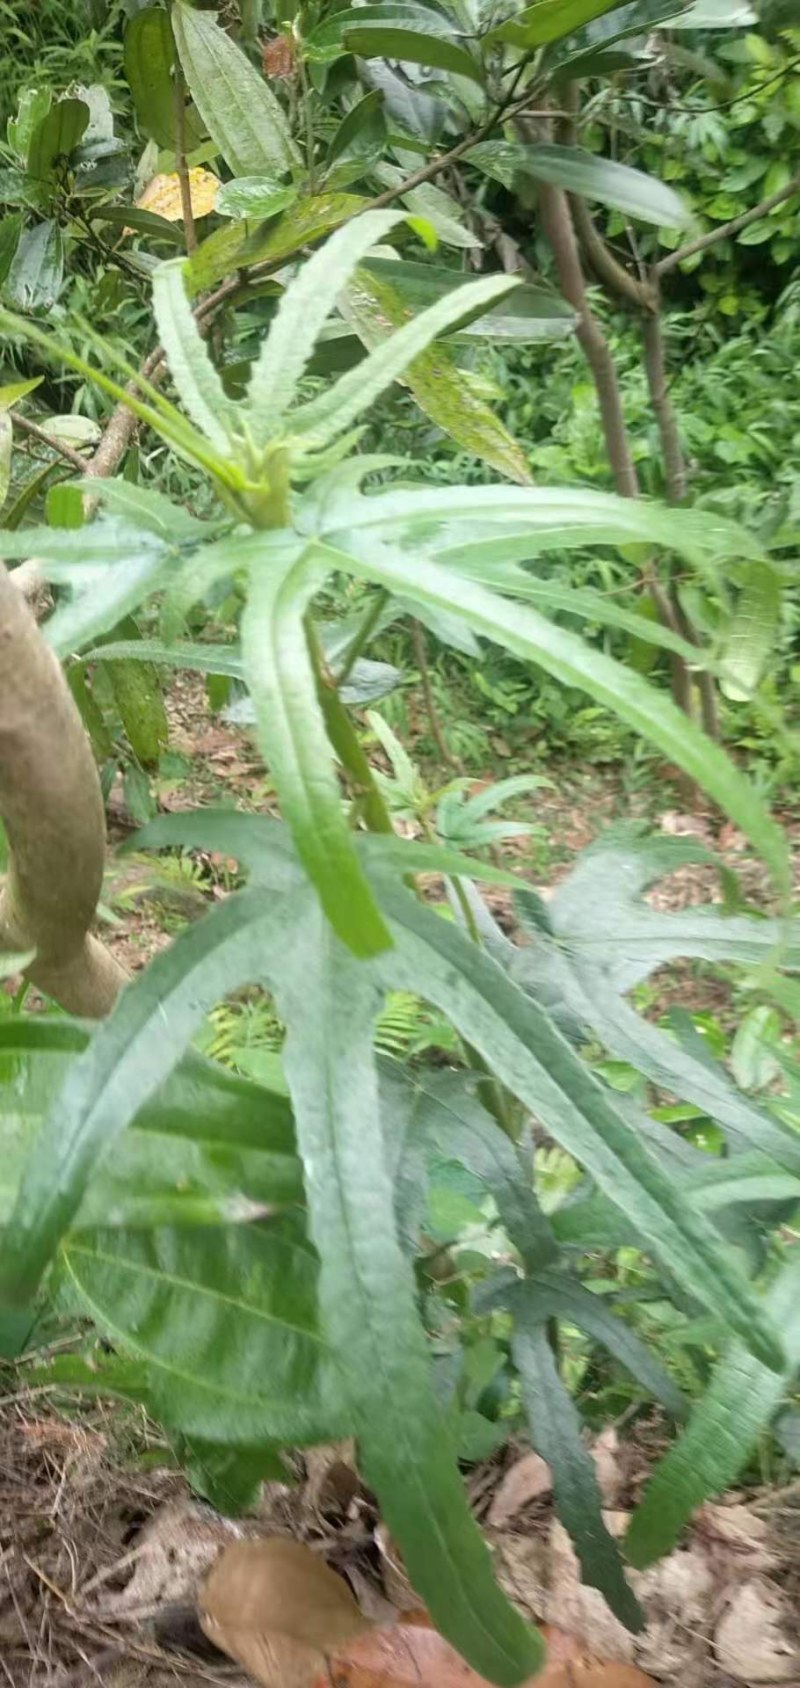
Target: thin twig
{"points": [[179, 90], [735, 226], [66, 451], [421, 660]]}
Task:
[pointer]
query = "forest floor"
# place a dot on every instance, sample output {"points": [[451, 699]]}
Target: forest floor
{"points": [[102, 1546]]}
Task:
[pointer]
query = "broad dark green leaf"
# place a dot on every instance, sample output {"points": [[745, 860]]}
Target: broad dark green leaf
{"points": [[362, 131], [254, 196], [10, 231], [131, 1054], [525, 1051], [555, 1431], [387, 41], [368, 1304], [722, 1431], [550, 20], [55, 139], [326, 42], [597, 45], [223, 1320], [148, 62], [144, 222], [239, 110], [374, 308], [586, 174], [569, 659], [528, 314], [229, 1478], [36, 272], [294, 741], [232, 247]]}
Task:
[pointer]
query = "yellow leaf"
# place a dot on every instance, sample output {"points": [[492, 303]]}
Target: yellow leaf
{"points": [[163, 195]]}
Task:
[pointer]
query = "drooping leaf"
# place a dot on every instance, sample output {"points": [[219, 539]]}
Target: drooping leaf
{"points": [[530, 313], [10, 231], [374, 308], [238, 108], [295, 744], [555, 1431], [586, 174], [367, 1299], [329, 415], [525, 1051], [722, 1431], [326, 41], [301, 314], [569, 659], [36, 272]]}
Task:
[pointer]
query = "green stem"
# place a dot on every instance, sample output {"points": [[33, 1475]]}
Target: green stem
{"points": [[344, 739], [364, 633]]}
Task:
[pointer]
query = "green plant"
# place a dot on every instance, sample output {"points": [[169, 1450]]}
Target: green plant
{"points": [[256, 1259]]}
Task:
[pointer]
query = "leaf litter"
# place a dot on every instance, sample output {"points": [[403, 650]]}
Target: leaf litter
{"points": [[111, 1572]]}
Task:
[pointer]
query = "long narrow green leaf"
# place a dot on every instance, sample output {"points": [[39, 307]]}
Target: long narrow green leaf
{"points": [[751, 636], [129, 1057], [569, 659], [387, 41], [239, 110], [368, 1304], [555, 1431], [292, 736], [337, 409], [722, 1431], [554, 1293], [375, 309], [188, 357], [303, 310], [585, 173], [523, 1048], [550, 20]]}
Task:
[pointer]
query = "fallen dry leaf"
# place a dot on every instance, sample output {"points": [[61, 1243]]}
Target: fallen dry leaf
{"points": [[162, 195], [408, 1655], [527, 1480], [278, 1610], [752, 1642]]}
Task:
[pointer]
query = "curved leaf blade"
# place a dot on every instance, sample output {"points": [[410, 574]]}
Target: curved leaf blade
{"points": [[368, 1305], [292, 736], [187, 354], [569, 659], [722, 1430], [588, 175]]}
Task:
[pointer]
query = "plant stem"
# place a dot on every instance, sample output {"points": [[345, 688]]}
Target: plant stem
{"points": [[344, 739], [735, 226], [179, 94], [421, 659], [372, 616], [66, 451]]}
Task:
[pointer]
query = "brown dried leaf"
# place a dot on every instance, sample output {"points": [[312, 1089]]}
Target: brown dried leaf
{"points": [[163, 195], [527, 1480], [752, 1642], [279, 1610], [414, 1656]]}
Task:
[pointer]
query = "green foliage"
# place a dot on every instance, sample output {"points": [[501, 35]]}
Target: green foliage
{"points": [[256, 1247]]}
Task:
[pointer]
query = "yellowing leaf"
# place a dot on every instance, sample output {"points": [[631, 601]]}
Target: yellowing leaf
{"points": [[163, 195]]}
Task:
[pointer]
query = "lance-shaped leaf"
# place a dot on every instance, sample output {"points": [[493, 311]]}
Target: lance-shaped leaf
{"points": [[111, 567], [373, 307], [586, 174], [149, 61], [750, 639], [569, 659], [550, 20], [555, 1431], [722, 1431], [240, 112], [523, 1048], [338, 408], [530, 313], [292, 735], [195, 377], [368, 1304], [301, 314], [387, 41]]}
